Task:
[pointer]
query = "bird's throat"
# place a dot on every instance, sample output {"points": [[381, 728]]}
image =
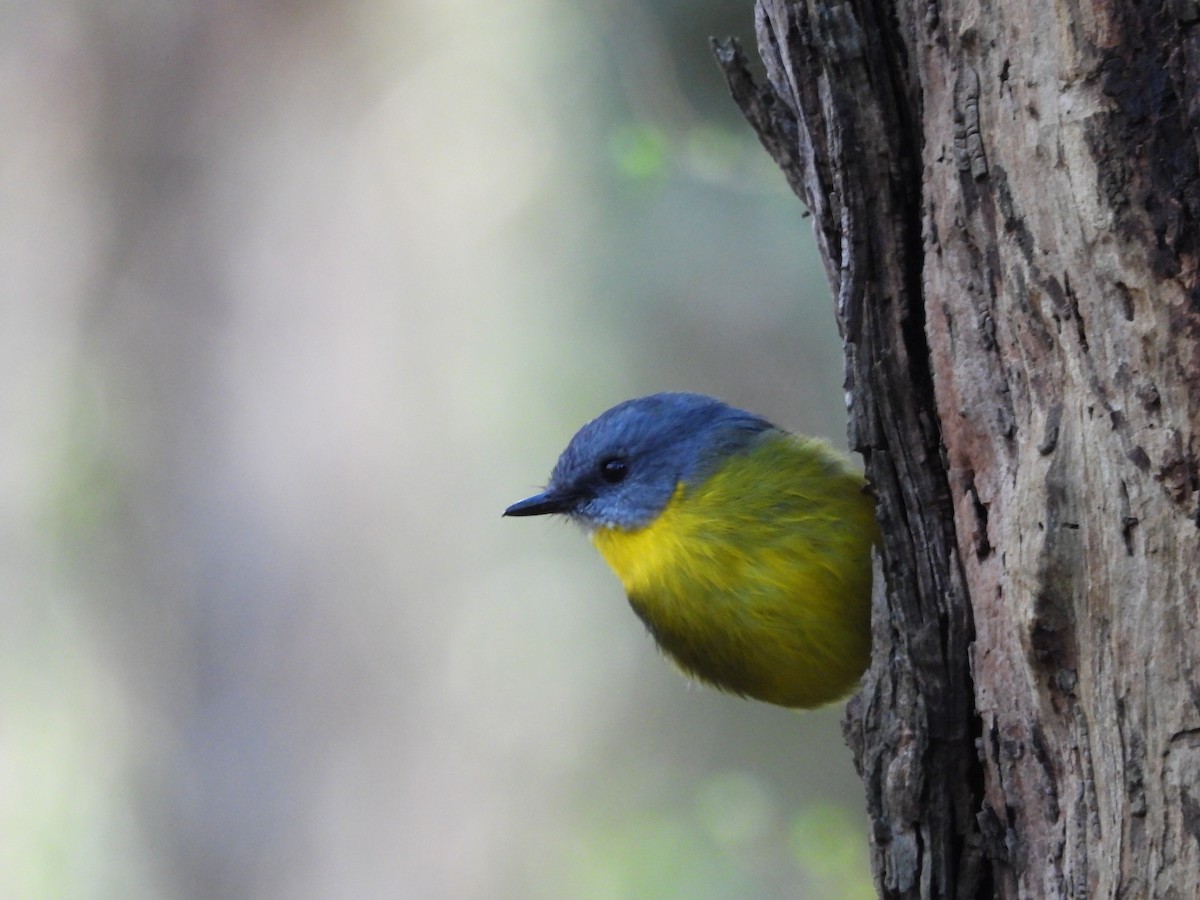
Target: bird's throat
{"points": [[639, 557]]}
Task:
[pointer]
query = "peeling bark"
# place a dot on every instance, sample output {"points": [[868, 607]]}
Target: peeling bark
{"points": [[1007, 200]]}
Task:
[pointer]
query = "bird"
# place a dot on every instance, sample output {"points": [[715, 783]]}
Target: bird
{"points": [[746, 550]]}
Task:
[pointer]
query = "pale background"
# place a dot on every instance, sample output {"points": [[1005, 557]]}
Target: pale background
{"points": [[295, 297]]}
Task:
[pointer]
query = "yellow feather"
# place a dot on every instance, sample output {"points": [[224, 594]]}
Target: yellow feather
{"points": [[758, 579]]}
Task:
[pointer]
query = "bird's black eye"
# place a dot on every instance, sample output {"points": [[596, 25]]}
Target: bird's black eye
{"points": [[614, 469]]}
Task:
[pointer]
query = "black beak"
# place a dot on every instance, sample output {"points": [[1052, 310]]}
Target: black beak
{"points": [[543, 504]]}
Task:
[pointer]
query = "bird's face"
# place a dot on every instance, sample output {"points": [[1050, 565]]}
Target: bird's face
{"points": [[622, 468]]}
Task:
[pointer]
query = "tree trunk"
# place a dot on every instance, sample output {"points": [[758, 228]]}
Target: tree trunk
{"points": [[1007, 199]]}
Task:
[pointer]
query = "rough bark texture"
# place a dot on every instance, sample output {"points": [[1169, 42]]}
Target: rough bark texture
{"points": [[1007, 198]]}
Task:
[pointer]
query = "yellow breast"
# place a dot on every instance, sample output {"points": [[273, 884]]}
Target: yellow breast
{"points": [[758, 579]]}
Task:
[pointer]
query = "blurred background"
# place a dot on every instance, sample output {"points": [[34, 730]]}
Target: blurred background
{"points": [[295, 298]]}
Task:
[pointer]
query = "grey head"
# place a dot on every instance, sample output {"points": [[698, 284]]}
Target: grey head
{"points": [[621, 469]]}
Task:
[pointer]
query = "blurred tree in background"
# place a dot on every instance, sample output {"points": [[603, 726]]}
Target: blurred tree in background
{"points": [[296, 298]]}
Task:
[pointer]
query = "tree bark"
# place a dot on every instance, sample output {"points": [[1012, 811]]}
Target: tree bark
{"points": [[1007, 200]]}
